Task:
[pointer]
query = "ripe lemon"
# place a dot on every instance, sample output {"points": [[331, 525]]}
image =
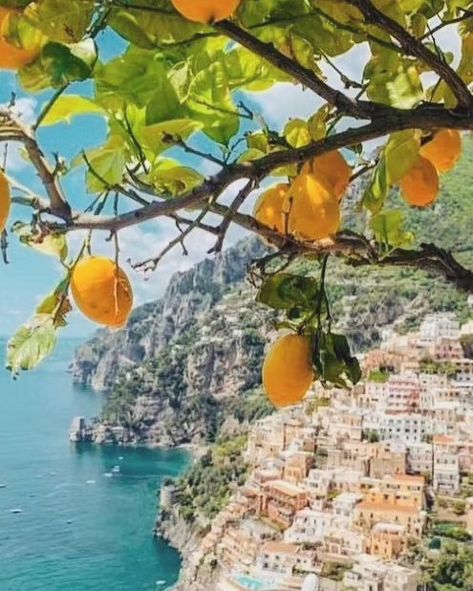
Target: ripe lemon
{"points": [[312, 208], [420, 186], [5, 201], [206, 11], [102, 291], [288, 371], [269, 207], [444, 150], [334, 168], [12, 57]]}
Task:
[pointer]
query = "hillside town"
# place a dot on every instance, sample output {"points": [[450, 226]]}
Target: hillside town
{"points": [[357, 490]]}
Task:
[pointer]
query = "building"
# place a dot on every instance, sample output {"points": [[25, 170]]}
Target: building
{"points": [[438, 326], [388, 541], [419, 458], [281, 500], [446, 471], [308, 527], [370, 513], [402, 393], [370, 574]]}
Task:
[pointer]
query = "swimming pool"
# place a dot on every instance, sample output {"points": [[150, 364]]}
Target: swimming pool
{"points": [[252, 584]]}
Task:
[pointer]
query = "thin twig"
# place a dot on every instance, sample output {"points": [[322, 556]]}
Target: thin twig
{"points": [[227, 218]]}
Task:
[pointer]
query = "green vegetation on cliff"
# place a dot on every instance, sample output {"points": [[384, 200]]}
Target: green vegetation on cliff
{"points": [[207, 486]]}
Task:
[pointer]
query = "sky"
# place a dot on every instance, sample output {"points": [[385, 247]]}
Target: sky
{"points": [[30, 276]]}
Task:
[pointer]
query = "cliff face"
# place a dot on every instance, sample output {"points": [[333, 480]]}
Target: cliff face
{"points": [[190, 297], [171, 372]]}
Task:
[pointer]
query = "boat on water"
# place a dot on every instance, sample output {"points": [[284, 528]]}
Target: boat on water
{"points": [[16, 511], [115, 469], [108, 474], [3, 486]]}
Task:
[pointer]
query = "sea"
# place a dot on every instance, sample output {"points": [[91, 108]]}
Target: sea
{"points": [[75, 517]]}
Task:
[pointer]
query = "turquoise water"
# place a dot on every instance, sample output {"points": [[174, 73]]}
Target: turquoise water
{"points": [[78, 530], [251, 584]]}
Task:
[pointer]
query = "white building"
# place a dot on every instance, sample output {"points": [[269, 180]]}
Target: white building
{"points": [[370, 574], [408, 427], [419, 458], [309, 527], [437, 326], [446, 471]]}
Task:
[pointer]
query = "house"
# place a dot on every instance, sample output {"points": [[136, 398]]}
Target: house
{"points": [[419, 458], [340, 544], [387, 459], [446, 478], [281, 500], [437, 326], [240, 544], [281, 559], [369, 513], [297, 466], [370, 574], [402, 393], [388, 541], [308, 527]]}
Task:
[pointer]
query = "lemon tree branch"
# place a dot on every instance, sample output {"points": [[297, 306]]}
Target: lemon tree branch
{"points": [[416, 48], [11, 129]]}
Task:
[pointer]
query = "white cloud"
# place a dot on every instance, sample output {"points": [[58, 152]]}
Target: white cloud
{"points": [[25, 109]]}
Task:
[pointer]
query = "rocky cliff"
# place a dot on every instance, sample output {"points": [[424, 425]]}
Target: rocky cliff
{"points": [[170, 373]]}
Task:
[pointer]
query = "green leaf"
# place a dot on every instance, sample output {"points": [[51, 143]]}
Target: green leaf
{"points": [[170, 177], [317, 124], [285, 291], [388, 229], [31, 344], [61, 20], [334, 362], [393, 80], [138, 78], [150, 29], [69, 106], [107, 164], [252, 155], [401, 153], [377, 191], [57, 304], [59, 65], [297, 133], [161, 136], [210, 101], [50, 244]]}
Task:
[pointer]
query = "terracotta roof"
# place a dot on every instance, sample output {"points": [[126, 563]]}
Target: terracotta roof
{"points": [[447, 439], [279, 548], [387, 507], [285, 487], [408, 478]]}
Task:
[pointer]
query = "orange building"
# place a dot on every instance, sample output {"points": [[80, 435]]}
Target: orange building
{"points": [[281, 500]]}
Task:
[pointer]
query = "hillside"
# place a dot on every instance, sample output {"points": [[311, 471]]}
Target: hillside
{"points": [[172, 373]]}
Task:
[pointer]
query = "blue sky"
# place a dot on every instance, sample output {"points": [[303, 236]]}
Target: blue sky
{"points": [[31, 276]]}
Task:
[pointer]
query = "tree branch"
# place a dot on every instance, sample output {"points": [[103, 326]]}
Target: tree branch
{"points": [[357, 109], [19, 132], [227, 218], [355, 248], [416, 48]]}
